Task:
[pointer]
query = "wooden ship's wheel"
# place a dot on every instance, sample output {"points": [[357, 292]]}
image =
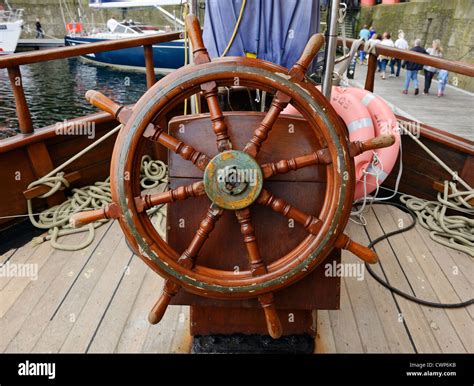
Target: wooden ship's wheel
{"points": [[222, 182]]}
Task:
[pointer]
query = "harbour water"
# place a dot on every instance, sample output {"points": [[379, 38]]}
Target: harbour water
{"points": [[55, 90]]}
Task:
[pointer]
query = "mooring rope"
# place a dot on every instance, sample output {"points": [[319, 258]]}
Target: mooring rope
{"points": [[96, 196], [454, 231]]}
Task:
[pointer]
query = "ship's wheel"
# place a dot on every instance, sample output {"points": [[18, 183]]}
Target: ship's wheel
{"points": [[224, 191]]}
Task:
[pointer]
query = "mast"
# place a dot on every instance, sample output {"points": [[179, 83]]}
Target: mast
{"points": [[331, 49]]}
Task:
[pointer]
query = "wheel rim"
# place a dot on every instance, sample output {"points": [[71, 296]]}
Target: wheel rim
{"points": [[282, 272]]}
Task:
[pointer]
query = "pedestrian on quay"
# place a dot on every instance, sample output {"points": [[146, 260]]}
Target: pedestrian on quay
{"points": [[430, 71], [372, 32], [39, 30], [412, 68], [401, 44], [373, 41], [442, 81], [364, 34], [386, 41]]}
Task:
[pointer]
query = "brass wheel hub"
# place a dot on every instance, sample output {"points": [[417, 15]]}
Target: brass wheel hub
{"points": [[233, 180]]}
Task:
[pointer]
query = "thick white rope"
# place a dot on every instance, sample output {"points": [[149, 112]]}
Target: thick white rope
{"points": [[56, 219], [453, 231]]}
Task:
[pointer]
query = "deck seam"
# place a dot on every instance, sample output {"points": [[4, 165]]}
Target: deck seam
{"points": [[410, 337], [108, 305], [79, 274]]}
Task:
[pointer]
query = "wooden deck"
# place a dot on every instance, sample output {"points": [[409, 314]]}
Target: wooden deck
{"points": [[451, 113], [97, 300]]}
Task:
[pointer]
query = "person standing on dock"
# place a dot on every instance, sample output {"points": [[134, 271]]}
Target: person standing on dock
{"points": [[434, 50], [401, 44], [364, 34], [386, 41], [39, 30], [412, 68]]}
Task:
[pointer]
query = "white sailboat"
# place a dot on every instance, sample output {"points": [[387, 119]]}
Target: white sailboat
{"points": [[11, 23]]}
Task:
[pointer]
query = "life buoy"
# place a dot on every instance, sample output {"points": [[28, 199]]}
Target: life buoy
{"points": [[366, 116]]}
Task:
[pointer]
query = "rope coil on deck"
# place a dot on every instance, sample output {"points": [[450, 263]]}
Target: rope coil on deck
{"points": [[456, 232], [56, 219]]}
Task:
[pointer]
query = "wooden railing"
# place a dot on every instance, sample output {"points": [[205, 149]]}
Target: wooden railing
{"points": [[13, 62], [441, 63]]}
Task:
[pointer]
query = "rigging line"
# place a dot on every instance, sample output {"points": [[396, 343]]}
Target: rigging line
{"points": [[236, 28]]}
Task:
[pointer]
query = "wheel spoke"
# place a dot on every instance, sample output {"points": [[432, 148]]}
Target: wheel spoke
{"points": [[311, 223], [323, 157], [320, 157], [246, 228], [219, 125], [280, 101], [205, 228], [187, 260], [209, 89], [258, 268], [148, 201], [157, 134]]}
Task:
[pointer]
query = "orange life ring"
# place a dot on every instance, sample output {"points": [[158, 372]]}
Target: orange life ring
{"points": [[365, 115]]}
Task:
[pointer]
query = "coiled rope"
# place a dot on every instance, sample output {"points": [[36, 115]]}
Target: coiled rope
{"points": [[56, 219], [454, 231]]}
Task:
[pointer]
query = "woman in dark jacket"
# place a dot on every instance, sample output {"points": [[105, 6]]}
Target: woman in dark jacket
{"points": [[413, 68]]}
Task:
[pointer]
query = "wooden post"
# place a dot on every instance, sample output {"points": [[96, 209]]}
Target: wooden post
{"points": [[22, 111], [150, 68], [371, 67]]}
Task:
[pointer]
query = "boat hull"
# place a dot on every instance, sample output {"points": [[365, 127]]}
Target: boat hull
{"points": [[9, 36], [166, 56]]}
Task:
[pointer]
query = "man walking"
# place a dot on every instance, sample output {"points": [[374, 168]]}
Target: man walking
{"points": [[39, 30]]}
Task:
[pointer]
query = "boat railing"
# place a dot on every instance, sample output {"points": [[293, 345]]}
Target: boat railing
{"points": [[11, 15], [458, 67], [13, 63]]}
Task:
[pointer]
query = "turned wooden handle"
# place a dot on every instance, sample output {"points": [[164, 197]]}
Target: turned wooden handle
{"points": [[271, 316], [378, 142], [311, 50], [273, 321], [169, 290], [362, 252], [194, 31], [159, 309], [78, 220], [100, 101]]}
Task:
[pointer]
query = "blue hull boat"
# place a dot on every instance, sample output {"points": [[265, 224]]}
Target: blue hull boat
{"points": [[166, 56]]}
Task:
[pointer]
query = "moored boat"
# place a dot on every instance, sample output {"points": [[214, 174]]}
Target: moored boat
{"points": [[11, 23], [166, 56]]}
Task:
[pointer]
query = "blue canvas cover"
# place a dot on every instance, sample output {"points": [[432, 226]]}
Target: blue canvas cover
{"points": [[274, 30]]}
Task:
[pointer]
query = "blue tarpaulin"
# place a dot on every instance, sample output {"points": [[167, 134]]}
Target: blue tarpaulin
{"points": [[274, 30]]}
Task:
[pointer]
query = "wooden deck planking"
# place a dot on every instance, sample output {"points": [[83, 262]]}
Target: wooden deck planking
{"points": [[450, 113], [381, 301], [90, 317], [410, 313], [135, 331], [74, 294], [440, 284], [15, 319], [410, 252], [110, 304], [41, 317]]}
